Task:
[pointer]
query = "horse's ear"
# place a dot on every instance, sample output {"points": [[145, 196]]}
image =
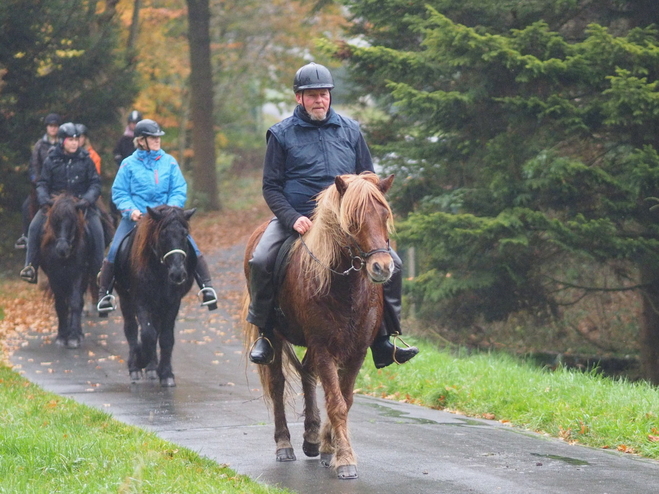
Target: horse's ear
{"points": [[385, 184], [153, 213], [341, 185], [189, 212]]}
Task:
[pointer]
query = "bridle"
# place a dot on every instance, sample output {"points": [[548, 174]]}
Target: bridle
{"points": [[357, 260], [172, 252]]}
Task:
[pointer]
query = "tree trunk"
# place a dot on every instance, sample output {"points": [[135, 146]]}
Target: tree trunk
{"points": [[134, 29], [205, 190], [650, 324]]}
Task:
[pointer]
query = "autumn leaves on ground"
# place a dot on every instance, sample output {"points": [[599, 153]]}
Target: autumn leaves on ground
{"points": [[28, 308]]}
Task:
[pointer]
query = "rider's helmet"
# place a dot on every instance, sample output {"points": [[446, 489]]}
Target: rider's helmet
{"points": [[134, 116], [148, 127], [313, 76], [67, 129], [52, 119], [82, 129]]}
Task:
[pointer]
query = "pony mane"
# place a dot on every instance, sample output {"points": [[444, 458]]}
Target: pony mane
{"points": [[64, 206], [146, 234], [334, 217]]}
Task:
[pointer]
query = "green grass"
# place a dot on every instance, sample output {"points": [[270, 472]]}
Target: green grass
{"points": [[579, 407], [49, 444]]}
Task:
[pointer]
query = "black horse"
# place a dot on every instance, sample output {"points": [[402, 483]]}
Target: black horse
{"points": [[154, 270], [66, 257]]}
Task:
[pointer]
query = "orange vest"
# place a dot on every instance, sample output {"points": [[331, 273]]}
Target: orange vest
{"points": [[95, 158]]}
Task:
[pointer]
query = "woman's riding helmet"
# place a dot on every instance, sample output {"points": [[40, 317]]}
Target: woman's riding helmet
{"points": [[134, 116], [67, 129], [148, 127], [52, 119], [313, 76]]}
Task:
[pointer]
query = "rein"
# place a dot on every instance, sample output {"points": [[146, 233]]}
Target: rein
{"points": [[357, 261]]}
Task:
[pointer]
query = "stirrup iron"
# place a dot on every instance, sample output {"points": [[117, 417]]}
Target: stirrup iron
{"points": [[397, 336], [106, 297]]}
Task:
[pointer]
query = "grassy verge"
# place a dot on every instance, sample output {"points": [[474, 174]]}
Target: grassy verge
{"points": [[585, 408], [51, 444]]}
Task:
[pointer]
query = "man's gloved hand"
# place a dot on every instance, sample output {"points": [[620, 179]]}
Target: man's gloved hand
{"points": [[82, 204], [46, 205]]}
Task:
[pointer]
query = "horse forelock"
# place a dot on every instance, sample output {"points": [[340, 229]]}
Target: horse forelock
{"points": [[64, 207], [333, 218], [149, 232]]}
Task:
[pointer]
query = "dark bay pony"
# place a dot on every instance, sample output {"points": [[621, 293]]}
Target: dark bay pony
{"points": [[330, 302], [66, 257], [154, 270]]}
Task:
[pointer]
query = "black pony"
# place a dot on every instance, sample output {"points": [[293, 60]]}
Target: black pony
{"points": [[67, 259], [154, 270]]}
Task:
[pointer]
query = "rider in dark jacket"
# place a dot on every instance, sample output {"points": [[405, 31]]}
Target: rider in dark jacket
{"points": [[305, 153], [67, 168], [37, 158]]}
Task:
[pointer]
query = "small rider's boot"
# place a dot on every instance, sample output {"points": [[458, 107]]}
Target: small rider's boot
{"points": [[262, 351], [206, 293], [384, 352], [106, 301], [29, 273]]}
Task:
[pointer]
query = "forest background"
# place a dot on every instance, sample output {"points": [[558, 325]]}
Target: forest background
{"points": [[523, 134]]}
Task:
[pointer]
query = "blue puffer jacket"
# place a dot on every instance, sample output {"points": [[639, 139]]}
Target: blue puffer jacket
{"points": [[303, 158], [148, 178]]}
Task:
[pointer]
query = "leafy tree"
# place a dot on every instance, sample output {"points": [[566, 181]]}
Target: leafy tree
{"points": [[524, 148], [56, 56]]}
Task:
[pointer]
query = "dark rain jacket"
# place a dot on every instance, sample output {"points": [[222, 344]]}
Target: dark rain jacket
{"points": [[303, 157], [39, 155], [74, 173]]}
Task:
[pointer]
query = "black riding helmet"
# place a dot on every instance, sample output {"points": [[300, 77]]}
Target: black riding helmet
{"points": [[52, 119], [148, 127], [82, 129], [134, 116], [313, 76], [67, 129]]}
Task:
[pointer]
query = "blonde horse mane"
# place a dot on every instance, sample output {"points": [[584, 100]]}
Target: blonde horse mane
{"points": [[334, 217]]}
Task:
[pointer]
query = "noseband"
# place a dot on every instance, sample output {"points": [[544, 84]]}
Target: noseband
{"points": [[357, 260]]}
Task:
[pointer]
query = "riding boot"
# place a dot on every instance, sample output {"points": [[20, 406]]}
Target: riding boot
{"points": [[206, 291], [106, 301], [384, 352], [30, 272], [262, 351]]}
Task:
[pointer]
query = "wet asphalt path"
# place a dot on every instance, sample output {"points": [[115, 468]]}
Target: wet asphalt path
{"points": [[217, 410]]}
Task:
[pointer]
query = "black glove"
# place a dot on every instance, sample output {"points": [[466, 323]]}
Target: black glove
{"points": [[46, 205], [82, 204]]}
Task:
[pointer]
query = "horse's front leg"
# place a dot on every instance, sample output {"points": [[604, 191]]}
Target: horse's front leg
{"points": [[165, 332], [131, 332], [146, 347], [311, 444], [343, 461], [76, 305], [62, 310], [274, 383]]}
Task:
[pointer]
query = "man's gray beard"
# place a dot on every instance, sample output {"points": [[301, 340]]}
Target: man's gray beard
{"points": [[314, 117]]}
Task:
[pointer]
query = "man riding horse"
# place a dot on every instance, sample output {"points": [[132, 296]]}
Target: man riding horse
{"points": [[305, 153]]}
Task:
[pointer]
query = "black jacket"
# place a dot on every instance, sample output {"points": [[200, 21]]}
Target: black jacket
{"points": [[39, 155], [75, 174], [304, 156]]}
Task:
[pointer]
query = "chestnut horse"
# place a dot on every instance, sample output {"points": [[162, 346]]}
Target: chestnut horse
{"points": [[66, 257], [154, 270], [331, 302]]}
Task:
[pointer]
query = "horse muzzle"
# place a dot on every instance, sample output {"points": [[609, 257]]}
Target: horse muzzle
{"points": [[380, 271], [63, 248]]}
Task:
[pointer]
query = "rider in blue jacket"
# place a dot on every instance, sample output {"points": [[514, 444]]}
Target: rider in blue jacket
{"points": [[305, 153], [148, 177]]}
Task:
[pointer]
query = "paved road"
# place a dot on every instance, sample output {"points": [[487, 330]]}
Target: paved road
{"points": [[217, 410]]}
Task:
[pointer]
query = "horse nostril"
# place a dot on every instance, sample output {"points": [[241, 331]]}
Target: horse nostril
{"points": [[377, 269]]}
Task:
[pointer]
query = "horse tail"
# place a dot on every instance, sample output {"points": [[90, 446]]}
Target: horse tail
{"points": [[290, 362]]}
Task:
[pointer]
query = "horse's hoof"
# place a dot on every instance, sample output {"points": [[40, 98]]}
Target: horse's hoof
{"points": [[135, 376], [59, 341], [311, 449], [168, 382], [152, 375], [345, 472], [73, 343], [326, 459], [285, 454]]}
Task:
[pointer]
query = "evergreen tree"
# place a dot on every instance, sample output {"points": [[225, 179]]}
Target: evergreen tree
{"points": [[521, 148]]}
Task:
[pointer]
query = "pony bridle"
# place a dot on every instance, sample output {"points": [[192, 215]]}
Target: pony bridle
{"points": [[357, 261], [172, 252]]}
